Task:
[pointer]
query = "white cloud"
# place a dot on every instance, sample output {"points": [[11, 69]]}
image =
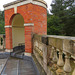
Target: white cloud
{"points": [[2, 2], [48, 3]]}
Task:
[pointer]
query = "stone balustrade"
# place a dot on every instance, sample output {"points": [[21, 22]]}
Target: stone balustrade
{"points": [[56, 54], [2, 41]]}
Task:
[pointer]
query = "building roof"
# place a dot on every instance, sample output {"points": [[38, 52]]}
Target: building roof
{"points": [[18, 1]]}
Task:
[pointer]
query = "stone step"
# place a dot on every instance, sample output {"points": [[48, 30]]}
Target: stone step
{"points": [[17, 55]]}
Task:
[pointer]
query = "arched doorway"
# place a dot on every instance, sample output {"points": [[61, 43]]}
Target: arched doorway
{"points": [[18, 37]]}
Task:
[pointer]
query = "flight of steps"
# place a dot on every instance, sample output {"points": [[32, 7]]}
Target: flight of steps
{"points": [[18, 51]]}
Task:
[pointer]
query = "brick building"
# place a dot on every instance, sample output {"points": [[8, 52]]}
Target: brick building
{"points": [[22, 19]]}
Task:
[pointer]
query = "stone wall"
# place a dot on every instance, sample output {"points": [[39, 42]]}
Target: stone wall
{"points": [[55, 53]]}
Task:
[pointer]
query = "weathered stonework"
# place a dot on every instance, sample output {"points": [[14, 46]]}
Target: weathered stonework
{"points": [[48, 57]]}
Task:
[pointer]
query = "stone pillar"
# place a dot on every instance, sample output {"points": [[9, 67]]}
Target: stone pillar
{"points": [[45, 57], [55, 59], [8, 32], [49, 54], [28, 38], [60, 64], [74, 70], [3, 41], [67, 66]]}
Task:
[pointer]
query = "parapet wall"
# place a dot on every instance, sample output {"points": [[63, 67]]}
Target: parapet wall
{"points": [[55, 53]]}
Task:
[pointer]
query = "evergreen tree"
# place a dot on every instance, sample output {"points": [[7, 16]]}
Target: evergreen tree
{"points": [[2, 30], [54, 26], [65, 10]]}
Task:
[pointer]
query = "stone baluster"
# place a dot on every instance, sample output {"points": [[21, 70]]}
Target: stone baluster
{"points": [[34, 44], [45, 58], [51, 55], [50, 52], [67, 66], [38, 44], [55, 59], [60, 64], [3, 42], [74, 70]]}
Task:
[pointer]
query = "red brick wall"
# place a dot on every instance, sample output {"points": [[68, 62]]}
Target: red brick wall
{"points": [[40, 19], [35, 14], [8, 14], [28, 39], [8, 32], [31, 14]]}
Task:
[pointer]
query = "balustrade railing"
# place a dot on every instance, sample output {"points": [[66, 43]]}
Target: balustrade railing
{"points": [[2, 41], [57, 54]]}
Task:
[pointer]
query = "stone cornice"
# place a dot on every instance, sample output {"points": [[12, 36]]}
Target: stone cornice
{"points": [[22, 2], [8, 26], [28, 24]]}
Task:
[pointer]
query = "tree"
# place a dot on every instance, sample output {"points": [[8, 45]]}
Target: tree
{"points": [[53, 25], [70, 19], [65, 10], [2, 30]]}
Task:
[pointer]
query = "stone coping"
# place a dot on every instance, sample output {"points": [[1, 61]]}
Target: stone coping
{"points": [[60, 37], [15, 2]]}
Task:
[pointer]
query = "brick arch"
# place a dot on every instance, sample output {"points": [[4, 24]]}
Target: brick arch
{"points": [[11, 18], [17, 22]]}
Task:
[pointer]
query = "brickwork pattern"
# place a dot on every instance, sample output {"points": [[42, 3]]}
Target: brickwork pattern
{"points": [[31, 14]]}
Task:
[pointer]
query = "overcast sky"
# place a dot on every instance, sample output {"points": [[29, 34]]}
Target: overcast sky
{"points": [[2, 2]]}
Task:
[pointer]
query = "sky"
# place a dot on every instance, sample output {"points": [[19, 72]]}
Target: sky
{"points": [[2, 2]]}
